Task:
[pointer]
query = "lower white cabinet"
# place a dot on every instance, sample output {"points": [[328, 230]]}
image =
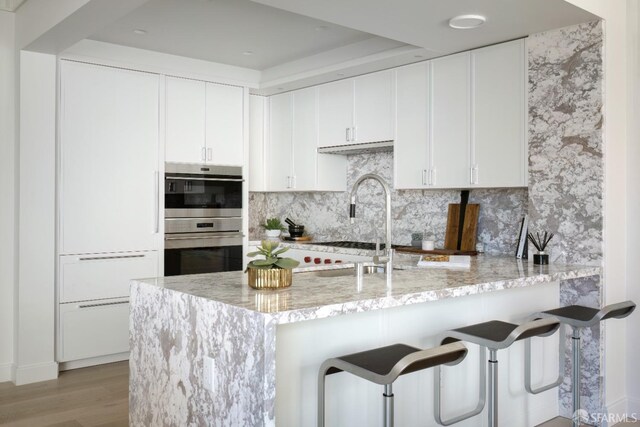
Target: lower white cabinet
{"points": [[93, 329], [101, 276]]}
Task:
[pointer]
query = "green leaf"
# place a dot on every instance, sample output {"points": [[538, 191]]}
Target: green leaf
{"points": [[280, 251], [287, 263], [268, 261], [252, 254]]}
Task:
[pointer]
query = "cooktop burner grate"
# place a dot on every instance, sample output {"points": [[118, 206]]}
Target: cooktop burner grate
{"points": [[353, 245]]}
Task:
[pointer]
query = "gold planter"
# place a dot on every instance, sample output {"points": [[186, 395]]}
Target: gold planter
{"points": [[271, 278]]}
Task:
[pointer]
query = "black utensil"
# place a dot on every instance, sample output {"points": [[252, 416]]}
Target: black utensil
{"points": [[291, 223]]}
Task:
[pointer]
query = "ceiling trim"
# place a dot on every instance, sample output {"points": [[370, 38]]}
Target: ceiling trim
{"points": [[10, 5]]}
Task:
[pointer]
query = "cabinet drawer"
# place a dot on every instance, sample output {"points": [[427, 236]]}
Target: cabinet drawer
{"points": [[93, 277], [92, 329]]}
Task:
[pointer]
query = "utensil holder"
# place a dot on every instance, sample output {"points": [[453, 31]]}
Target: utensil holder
{"points": [[541, 258]]}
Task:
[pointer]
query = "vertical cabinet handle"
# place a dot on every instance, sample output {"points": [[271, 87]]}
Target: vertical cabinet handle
{"points": [[156, 202], [204, 154], [424, 173], [348, 134], [432, 176]]}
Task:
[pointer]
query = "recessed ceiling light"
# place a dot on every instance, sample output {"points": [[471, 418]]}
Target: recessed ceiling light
{"points": [[140, 31], [280, 88], [247, 52], [417, 56], [467, 22], [321, 28]]}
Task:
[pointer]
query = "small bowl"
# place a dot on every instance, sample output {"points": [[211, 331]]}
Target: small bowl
{"points": [[296, 231]]}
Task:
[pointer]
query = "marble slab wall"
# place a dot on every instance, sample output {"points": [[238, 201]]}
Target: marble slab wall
{"points": [[566, 174], [326, 214]]}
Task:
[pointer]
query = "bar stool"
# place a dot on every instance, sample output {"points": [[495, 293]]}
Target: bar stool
{"points": [[578, 317], [384, 365], [493, 335]]}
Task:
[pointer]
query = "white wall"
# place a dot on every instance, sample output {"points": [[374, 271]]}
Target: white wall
{"points": [[633, 204], [35, 318], [620, 260], [7, 195]]}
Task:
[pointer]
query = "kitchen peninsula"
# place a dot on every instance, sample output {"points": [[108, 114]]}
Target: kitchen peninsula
{"points": [[266, 346]]}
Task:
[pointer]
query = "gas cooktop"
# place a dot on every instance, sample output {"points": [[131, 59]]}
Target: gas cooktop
{"points": [[353, 245]]}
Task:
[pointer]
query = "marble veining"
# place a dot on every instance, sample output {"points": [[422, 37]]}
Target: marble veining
{"points": [[566, 175], [177, 321], [325, 214]]}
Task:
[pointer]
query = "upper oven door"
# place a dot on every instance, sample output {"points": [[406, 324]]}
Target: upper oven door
{"points": [[203, 191]]}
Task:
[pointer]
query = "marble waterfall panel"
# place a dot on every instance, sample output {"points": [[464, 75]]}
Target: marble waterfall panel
{"points": [[566, 172], [326, 214], [171, 334]]}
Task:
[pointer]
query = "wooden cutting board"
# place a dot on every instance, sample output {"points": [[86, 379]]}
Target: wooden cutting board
{"points": [[469, 227], [412, 250]]}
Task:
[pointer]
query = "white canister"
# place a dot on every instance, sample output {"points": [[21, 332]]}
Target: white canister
{"points": [[428, 245]]}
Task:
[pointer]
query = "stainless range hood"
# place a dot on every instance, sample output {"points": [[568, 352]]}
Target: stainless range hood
{"points": [[369, 147]]}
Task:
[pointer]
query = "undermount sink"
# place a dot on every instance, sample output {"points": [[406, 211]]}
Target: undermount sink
{"points": [[344, 272]]}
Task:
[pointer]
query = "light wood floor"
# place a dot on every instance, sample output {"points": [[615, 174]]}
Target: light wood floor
{"points": [[89, 397]]}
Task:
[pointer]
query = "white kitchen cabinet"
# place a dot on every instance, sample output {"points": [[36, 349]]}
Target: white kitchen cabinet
{"points": [[357, 111], [499, 104], [103, 276], [108, 160], [204, 122], [224, 124], [279, 153], [450, 121], [412, 146], [258, 137], [185, 120], [93, 329], [292, 160]]}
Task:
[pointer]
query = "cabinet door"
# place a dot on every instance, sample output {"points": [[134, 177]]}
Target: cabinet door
{"points": [[335, 110], [411, 146], [450, 124], [374, 118], [279, 155], [224, 125], [498, 115], [93, 329], [185, 134], [305, 138], [109, 184], [95, 277], [258, 120]]}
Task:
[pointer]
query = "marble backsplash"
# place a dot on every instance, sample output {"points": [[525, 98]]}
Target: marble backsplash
{"points": [[326, 214]]}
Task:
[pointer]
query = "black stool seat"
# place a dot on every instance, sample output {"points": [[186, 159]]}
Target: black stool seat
{"points": [[496, 334], [383, 365], [580, 316]]}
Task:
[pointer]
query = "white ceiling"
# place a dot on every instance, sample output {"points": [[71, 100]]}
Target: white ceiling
{"points": [[10, 5], [297, 43], [223, 30]]}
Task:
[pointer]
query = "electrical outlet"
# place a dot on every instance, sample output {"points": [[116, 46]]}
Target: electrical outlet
{"points": [[209, 373]]}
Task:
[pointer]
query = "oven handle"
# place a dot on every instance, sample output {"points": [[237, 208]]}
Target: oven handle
{"points": [[182, 178], [205, 237]]}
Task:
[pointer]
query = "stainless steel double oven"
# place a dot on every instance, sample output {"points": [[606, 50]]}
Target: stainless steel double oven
{"points": [[203, 219]]}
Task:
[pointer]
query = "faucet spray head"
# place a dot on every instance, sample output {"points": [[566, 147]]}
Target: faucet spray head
{"points": [[352, 212]]}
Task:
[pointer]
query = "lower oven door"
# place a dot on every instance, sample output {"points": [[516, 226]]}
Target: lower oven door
{"points": [[196, 253]]}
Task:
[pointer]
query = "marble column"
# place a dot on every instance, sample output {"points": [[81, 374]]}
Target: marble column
{"points": [[566, 174]]}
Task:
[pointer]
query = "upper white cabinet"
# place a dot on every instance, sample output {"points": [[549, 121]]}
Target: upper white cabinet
{"points": [[185, 121], [461, 120], [292, 160], [258, 136], [108, 160], [499, 111], [356, 111], [204, 122], [450, 121]]}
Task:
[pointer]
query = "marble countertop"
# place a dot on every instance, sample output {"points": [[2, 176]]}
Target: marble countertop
{"points": [[313, 296]]}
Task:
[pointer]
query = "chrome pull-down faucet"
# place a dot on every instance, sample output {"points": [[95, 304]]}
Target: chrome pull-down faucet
{"points": [[388, 258]]}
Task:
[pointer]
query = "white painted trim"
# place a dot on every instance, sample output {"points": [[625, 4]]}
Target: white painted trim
{"points": [[101, 53], [620, 406], [5, 372], [101, 360], [633, 405], [27, 374]]}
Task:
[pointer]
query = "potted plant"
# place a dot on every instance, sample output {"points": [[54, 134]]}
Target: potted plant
{"points": [[273, 227], [273, 271]]}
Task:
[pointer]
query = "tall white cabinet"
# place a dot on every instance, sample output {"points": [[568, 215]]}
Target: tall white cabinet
{"points": [[108, 197]]}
